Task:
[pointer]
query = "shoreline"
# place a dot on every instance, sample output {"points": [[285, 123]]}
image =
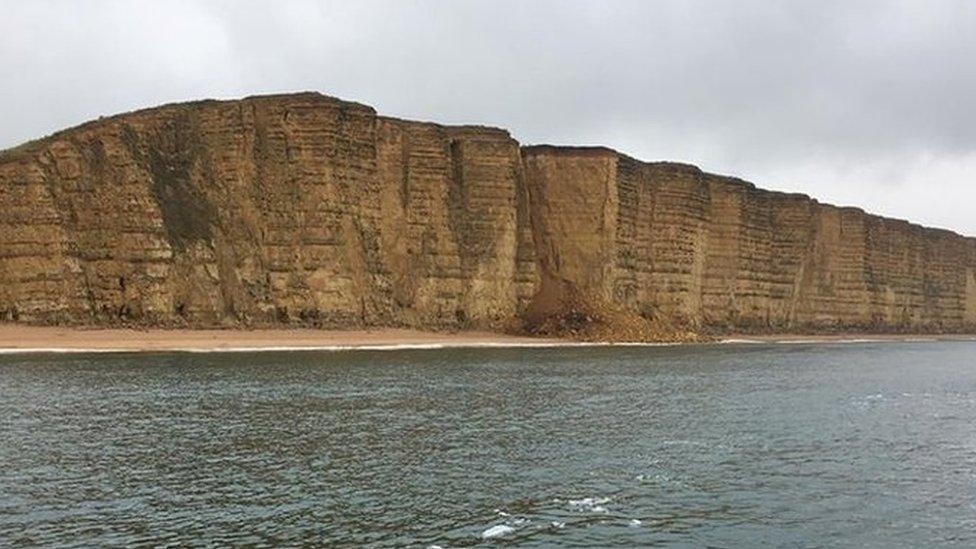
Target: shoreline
{"points": [[17, 339], [847, 337]]}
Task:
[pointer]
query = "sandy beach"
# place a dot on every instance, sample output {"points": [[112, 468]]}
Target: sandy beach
{"points": [[16, 338], [19, 338]]}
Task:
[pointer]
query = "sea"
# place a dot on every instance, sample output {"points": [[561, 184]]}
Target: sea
{"points": [[842, 444]]}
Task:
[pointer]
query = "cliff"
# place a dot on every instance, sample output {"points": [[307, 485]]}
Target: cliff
{"points": [[304, 209], [669, 241]]}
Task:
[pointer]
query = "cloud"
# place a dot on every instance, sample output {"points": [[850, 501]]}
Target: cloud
{"points": [[858, 102]]}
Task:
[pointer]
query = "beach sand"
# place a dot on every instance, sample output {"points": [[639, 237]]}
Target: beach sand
{"points": [[18, 338]]}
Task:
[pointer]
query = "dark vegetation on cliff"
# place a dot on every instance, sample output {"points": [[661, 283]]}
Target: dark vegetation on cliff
{"points": [[306, 210]]}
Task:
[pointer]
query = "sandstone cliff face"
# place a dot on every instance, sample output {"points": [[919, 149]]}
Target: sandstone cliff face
{"points": [[287, 209], [304, 209], [709, 252]]}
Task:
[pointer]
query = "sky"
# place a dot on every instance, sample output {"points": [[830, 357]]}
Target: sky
{"points": [[864, 103]]}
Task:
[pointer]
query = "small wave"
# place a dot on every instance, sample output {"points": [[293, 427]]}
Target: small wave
{"points": [[683, 442], [590, 504], [497, 531]]}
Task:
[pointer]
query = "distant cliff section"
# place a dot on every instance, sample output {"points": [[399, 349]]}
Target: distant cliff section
{"points": [[310, 211]]}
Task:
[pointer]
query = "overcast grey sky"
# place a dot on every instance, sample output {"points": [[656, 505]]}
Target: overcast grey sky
{"points": [[866, 103]]}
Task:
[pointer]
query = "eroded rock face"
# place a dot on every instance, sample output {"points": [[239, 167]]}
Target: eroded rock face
{"points": [[304, 209], [287, 209], [714, 253]]}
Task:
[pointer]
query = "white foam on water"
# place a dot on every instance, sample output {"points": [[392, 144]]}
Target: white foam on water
{"points": [[814, 340], [635, 522], [497, 531], [589, 504], [817, 341]]}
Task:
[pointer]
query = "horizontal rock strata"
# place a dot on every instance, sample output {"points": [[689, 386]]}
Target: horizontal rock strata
{"points": [[669, 241], [304, 209]]}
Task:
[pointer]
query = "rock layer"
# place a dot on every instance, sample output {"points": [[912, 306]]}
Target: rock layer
{"points": [[304, 209]]}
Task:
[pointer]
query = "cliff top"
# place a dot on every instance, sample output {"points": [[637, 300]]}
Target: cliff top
{"points": [[681, 168], [26, 150]]}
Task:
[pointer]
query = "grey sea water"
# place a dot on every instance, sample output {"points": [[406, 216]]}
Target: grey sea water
{"points": [[813, 445]]}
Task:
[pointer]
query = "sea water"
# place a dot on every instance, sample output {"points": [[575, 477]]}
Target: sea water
{"points": [[808, 445]]}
